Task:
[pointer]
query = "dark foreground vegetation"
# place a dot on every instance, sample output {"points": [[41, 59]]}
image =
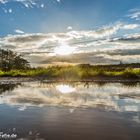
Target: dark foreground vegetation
{"points": [[13, 65]]}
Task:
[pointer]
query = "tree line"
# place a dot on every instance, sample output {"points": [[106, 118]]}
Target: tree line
{"points": [[10, 60]]}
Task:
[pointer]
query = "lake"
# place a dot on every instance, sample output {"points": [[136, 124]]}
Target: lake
{"points": [[70, 111]]}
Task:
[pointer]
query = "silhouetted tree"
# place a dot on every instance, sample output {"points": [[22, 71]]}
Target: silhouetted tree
{"points": [[10, 60]]}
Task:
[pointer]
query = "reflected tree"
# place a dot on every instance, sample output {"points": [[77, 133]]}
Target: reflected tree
{"points": [[8, 87]]}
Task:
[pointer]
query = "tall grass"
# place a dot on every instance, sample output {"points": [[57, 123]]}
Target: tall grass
{"points": [[73, 72]]}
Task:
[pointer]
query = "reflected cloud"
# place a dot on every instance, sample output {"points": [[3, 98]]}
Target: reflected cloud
{"points": [[109, 96]]}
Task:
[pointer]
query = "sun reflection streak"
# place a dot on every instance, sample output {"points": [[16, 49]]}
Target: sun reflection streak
{"points": [[65, 88]]}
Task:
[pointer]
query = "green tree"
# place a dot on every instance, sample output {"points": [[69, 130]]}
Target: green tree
{"points": [[10, 60]]}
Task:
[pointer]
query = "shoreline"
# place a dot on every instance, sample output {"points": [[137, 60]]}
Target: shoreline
{"points": [[55, 80]]}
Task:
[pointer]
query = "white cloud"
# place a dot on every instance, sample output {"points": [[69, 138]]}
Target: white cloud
{"points": [[130, 26], [3, 1], [5, 10], [19, 31], [134, 14], [42, 5], [69, 28], [10, 10], [58, 0], [28, 3], [100, 43]]}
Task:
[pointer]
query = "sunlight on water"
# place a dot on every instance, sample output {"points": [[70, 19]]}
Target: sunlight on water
{"points": [[117, 97], [109, 97], [65, 88]]}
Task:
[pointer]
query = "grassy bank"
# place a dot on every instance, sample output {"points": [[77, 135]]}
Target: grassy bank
{"points": [[76, 72]]}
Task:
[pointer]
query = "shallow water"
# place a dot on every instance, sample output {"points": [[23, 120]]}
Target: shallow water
{"points": [[70, 111]]}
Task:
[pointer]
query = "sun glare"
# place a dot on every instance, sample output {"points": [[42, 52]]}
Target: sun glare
{"points": [[65, 88], [64, 49]]}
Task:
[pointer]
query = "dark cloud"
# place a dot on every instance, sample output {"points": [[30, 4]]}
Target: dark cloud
{"points": [[91, 58]]}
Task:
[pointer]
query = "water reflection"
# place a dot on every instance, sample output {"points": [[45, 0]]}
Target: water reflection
{"points": [[8, 87], [53, 107], [111, 96], [65, 88]]}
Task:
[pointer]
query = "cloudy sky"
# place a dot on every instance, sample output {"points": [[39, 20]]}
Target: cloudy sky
{"points": [[71, 31]]}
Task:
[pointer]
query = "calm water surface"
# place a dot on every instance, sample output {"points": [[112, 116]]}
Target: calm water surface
{"points": [[70, 111]]}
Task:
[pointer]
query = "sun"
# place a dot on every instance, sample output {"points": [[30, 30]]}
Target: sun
{"points": [[64, 49]]}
